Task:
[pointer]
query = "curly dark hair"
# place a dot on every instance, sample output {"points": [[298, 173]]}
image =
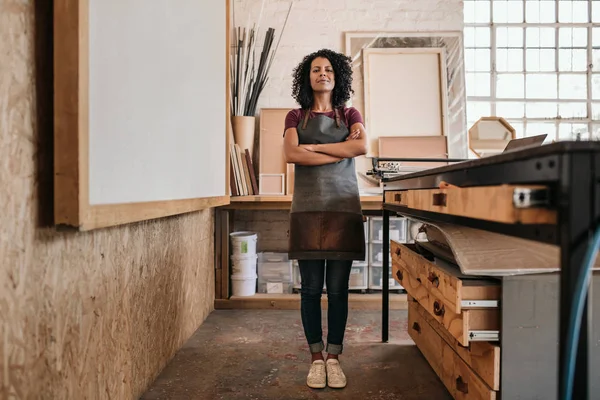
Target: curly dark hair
{"points": [[302, 91]]}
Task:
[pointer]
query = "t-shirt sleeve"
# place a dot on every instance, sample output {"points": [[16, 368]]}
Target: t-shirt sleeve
{"points": [[353, 116], [292, 119]]}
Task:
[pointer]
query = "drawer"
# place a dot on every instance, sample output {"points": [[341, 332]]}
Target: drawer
{"points": [[482, 357], [447, 284], [460, 379], [397, 197], [467, 326], [510, 204], [397, 229]]}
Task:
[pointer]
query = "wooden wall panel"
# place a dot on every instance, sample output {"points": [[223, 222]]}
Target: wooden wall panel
{"points": [[82, 315]]}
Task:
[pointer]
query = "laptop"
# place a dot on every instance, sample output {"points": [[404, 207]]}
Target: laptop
{"points": [[519, 144]]}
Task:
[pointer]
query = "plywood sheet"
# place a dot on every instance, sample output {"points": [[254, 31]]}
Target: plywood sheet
{"points": [[272, 124], [479, 252], [414, 147]]}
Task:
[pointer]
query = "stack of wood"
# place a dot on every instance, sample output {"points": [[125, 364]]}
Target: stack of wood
{"points": [[454, 319], [243, 177]]}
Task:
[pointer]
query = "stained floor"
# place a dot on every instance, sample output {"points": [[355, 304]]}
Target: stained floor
{"points": [[262, 355]]}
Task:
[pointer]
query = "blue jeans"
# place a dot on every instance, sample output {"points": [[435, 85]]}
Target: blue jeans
{"points": [[312, 273]]}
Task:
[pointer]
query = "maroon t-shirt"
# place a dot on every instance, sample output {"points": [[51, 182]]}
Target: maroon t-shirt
{"points": [[349, 116]]}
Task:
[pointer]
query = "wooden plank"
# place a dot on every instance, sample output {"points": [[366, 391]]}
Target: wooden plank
{"points": [[460, 380], [457, 324], [226, 228], [442, 282], [482, 357], [491, 203], [284, 202], [70, 111], [356, 301], [218, 253]]}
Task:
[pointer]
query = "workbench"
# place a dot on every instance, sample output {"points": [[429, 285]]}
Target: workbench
{"points": [[499, 195], [224, 225]]}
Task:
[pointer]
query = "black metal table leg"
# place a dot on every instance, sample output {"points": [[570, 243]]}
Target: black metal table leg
{"points": [[385, 280], [575, 202]]}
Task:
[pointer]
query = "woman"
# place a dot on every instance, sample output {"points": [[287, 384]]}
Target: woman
{"points": [[322, 138]]}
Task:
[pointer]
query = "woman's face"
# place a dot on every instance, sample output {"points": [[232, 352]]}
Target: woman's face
{"points": [[322, 78]]}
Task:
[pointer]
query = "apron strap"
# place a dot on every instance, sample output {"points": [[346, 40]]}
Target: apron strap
{"points": [[337, 117], [305, 120]]}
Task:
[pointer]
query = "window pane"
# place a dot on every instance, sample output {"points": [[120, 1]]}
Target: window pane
{"points": [[541, 86], [510, 109], [596, 36], [536, 128], [572, 110], [542, 110], [595, 132], [572, 37], [596, 11], [509, 60], [596, 111], [595, 60], [540, 37], [540, 60], [477, 109], [508, 11], [572, 60], [510, 86], [596, 87], [572, 86], [519, 128], [540, 11], [478, 84], [477, 60], [477, 11], [572, 11], [509, 37], [477, 37], [568, 131]]}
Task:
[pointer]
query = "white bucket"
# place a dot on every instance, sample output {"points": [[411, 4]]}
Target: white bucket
{"points": [[243, 264], [243, 243], [243, 285]]}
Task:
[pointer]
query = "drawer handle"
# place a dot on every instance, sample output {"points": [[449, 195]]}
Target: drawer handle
{"points": [[439, 199], [434, 279], [416, 327], [399, 274], [461, 385], [438, 309], [398, 197]]}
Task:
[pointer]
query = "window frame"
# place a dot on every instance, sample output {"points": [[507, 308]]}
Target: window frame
{"points": [[593, 125]]}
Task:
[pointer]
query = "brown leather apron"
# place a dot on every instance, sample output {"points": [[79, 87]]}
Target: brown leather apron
{"points": [[326, 219]]}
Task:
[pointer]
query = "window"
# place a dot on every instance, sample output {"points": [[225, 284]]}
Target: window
{"points": [[536, 63]]}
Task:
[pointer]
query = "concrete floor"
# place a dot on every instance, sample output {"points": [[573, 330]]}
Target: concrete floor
{"points": [[262, 355]]}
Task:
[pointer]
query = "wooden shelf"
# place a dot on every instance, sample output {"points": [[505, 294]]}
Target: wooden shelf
{"points": [[261, 198], [283, 202], [356, 301]]}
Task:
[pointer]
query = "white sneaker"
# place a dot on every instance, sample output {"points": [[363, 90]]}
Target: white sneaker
{"points": [[317, 376], [335, 376]]}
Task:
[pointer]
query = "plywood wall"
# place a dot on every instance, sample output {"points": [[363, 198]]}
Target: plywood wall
{"points": [[82, 316]]}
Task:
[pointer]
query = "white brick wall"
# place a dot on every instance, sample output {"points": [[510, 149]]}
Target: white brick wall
{"points": [[315, 24]]}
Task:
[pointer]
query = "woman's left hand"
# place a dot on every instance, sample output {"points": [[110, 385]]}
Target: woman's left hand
{"points": [[354, 135]]}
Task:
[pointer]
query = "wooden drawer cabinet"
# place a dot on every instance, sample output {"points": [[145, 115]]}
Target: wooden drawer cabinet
{"points": [[468, 373], [467, 309], [454, 290]]}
